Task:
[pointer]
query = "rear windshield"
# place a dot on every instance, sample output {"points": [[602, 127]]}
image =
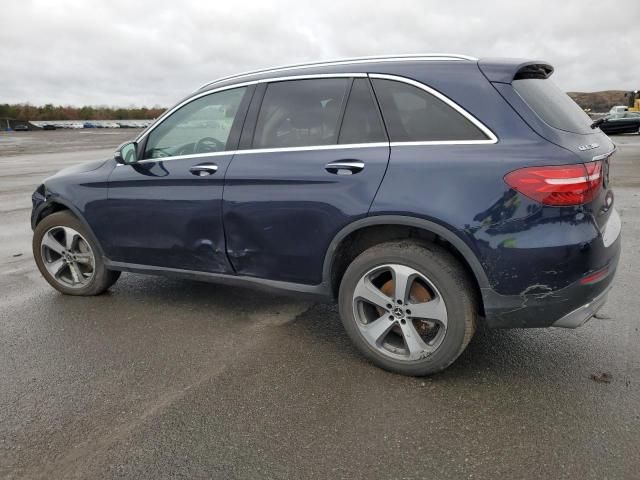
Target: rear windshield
{"points": [[552, 105]]}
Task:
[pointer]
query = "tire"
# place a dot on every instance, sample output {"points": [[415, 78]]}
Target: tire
{"points": [[449, 296], [62, 263]]}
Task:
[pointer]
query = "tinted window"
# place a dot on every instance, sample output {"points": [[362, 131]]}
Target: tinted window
{"points": [[201, 126], [361, 122], [552, 105], [412, 114], [300, 113]]}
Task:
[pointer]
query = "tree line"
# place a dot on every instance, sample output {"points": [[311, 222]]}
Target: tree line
{"points": [[26, 112], [599, 101]]}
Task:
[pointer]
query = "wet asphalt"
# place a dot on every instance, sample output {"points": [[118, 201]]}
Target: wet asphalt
{"points": [[165, 378]]}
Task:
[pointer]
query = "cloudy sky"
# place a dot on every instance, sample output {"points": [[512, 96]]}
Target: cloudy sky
{"points": [[127, 52]]}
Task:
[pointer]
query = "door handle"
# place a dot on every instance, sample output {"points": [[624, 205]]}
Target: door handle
{"points": [[204, 169], [344, 167]]}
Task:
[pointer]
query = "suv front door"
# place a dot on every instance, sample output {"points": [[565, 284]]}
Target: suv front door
{"points": [[165, 210], [310, 161]]}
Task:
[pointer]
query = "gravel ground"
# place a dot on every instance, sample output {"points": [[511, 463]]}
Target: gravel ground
{"points": [[164, 378], [63, 140]]}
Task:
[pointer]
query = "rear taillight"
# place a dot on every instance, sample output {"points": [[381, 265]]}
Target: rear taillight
{"points": [[558, 185], [594, 277]]}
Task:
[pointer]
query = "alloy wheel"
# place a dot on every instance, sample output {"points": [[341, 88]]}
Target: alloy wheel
{"points": [[400, 312], [67, 256]]}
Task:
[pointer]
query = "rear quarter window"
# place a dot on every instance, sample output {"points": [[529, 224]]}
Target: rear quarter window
{"points": [[412, 114], [552, 105]]}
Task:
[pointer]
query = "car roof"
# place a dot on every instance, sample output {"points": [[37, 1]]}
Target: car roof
{"points": [[344, 65], [503, 70]]}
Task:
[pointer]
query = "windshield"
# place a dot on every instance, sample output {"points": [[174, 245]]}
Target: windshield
{"points": [[552, 105]]}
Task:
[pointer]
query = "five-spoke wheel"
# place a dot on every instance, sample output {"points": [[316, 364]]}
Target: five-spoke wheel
{"points": [[400, 312], [408, 307], [67, 256]]}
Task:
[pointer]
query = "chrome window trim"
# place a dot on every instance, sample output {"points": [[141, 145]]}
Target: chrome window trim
{"points": [[162, 117], [350, 61], [184, 157], [483, 128], [261, 150], [316, 147], [442, 142]]}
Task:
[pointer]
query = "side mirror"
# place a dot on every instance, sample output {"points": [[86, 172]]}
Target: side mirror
{"points": [[127, 153]]}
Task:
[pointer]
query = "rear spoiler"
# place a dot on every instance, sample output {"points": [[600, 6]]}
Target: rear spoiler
{"points": [[506, 70]]}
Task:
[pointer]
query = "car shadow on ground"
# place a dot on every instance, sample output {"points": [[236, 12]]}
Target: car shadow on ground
{"points": [[545, 354]]}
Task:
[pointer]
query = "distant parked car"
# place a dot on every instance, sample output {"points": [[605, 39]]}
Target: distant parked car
{"points": [[21, 127], [618, 109], [48, 126], [625, 122], [88, 125]]}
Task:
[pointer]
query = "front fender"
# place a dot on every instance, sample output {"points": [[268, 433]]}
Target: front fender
{"points": [[81, 189], [55, 203]]}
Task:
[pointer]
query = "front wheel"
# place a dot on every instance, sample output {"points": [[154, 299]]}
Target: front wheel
{"points": [[68, 258], [409, 308]]}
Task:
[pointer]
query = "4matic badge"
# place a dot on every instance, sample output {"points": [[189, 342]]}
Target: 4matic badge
{"points": [[589, 146]]}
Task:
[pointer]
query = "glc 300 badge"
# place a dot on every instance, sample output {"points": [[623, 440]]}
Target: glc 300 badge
{"points": [[589, 146]]}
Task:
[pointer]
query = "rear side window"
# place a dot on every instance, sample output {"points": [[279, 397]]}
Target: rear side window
{"points": [[300, 113], [361, 122], [413, 115], [552, 105]]}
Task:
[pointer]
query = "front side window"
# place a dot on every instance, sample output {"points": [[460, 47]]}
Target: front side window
{"points": [[414, 115], [201, 126], [300, 113]]}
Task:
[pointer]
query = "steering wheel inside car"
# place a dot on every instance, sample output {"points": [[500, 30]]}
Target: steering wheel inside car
{"points": [[209, 144]]}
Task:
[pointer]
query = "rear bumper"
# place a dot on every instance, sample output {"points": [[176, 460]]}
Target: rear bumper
{"points": [[582, 314], [540, 306]]}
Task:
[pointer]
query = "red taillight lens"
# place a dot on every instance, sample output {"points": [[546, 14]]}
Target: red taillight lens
{"points": [[594, 277], [558, 185]]}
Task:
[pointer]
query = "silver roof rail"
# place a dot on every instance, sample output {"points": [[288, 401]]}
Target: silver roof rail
{"points": [[349, 61]]}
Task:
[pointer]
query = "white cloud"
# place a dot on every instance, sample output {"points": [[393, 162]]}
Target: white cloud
{"points": [[149, 52]]}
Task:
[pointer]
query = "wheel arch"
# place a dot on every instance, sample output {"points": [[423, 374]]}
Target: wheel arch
{"points": [[58, 204], [390, 227]]}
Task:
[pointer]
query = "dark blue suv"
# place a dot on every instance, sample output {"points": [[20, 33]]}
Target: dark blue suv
{"points": [[422, 192]]}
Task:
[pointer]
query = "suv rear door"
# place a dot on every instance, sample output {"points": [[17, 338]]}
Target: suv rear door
{"points": [[311, 157]]}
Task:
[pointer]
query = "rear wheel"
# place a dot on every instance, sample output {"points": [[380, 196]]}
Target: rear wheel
{"points": [[408, 308], [67, 256]]}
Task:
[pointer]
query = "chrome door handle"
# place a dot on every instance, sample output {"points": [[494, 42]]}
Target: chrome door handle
{"points": [[344, 167], [204, 169]]}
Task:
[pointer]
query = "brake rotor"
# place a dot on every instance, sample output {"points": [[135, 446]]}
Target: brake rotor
{"points": [[417, 294]]}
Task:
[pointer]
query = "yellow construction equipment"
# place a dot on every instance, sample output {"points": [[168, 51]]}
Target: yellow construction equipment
{"points": [[633, 100]]}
